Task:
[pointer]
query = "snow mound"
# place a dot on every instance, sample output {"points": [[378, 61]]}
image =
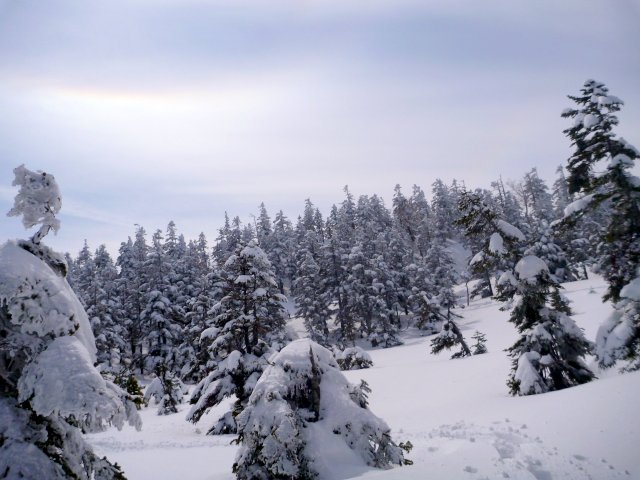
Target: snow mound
{"points": [[59, 313], [530, 266]]}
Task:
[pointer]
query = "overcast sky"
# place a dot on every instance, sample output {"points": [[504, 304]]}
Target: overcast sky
{"points": [[152, 110]]}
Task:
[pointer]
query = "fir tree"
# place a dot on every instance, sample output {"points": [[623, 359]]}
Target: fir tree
{"points": [[166, 389], [480, 346], [549, 355], [615, 191], [250, 318]]}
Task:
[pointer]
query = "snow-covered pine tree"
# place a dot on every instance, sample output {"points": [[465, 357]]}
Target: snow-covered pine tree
{"points": [[161, 318], [49, 390], [312, 300], [548, 250], [205, 290], [166, 390], [480, 221], [443, 207], [301, 403], [105, 313], [132, 289], [617, 192], [37, 202], [539, 201], [281, 250], [249, 320], [560, 193], [549, 355], [480, 346]]}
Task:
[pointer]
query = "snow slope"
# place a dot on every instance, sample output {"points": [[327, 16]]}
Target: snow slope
{"points": [[457, 413]]}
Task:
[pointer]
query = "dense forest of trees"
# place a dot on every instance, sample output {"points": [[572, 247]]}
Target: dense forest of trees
{"points": [[216, 315], [365, 270]]}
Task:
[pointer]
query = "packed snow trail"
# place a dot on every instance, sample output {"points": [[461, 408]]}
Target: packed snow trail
{"points": [[456, 413]]}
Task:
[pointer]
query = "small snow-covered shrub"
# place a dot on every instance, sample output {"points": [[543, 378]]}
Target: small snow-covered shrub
{"points": [[131, 385], [480, 346], [353, 358], [449, 337], [166, 390], [301, 405]]}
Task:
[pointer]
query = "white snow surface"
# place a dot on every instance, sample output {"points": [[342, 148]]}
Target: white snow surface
{"points": [[496, 244], [631, 290], [457, 414]]}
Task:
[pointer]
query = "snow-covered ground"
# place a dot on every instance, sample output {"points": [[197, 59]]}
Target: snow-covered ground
{"points": [[456, 413]]}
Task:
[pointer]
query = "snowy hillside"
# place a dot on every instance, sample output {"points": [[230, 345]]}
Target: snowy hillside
{"points": [[456, 413]]}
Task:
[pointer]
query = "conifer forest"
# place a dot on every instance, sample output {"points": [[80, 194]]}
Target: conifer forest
{"points": [[259, 323]]}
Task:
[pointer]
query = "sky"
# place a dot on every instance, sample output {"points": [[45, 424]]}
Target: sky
{"points": [[148, 111]]}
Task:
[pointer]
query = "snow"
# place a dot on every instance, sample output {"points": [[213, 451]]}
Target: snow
{"points": [[609, 100], [496, 244], [510, 231], [590, 120], [620, 160], [457, 413], [530, 266], [477, 258], [578, 205], [62, 381], [631, 290], [60, 312]]}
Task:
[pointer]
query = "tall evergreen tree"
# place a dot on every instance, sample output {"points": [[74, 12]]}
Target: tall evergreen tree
{"points": [[549, 355], [249, 321], [616, 191]]}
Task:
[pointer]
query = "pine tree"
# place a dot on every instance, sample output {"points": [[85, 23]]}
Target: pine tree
{"points": [[132, 287], [312, 300], [480, 346], [615, 191], [497, 254], [249, 320], [105, 312], [549, 355], [449, 337], [166, 389], [560, 193]]}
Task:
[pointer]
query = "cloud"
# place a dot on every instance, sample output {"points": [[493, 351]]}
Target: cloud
{"points": [[151, 111]]}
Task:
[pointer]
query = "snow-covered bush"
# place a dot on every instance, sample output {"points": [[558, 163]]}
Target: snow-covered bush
{"points": [[449, 337], [480, 346], [166, 390], [353, 358], [131, 385], [304, 418], [50, 391]]}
